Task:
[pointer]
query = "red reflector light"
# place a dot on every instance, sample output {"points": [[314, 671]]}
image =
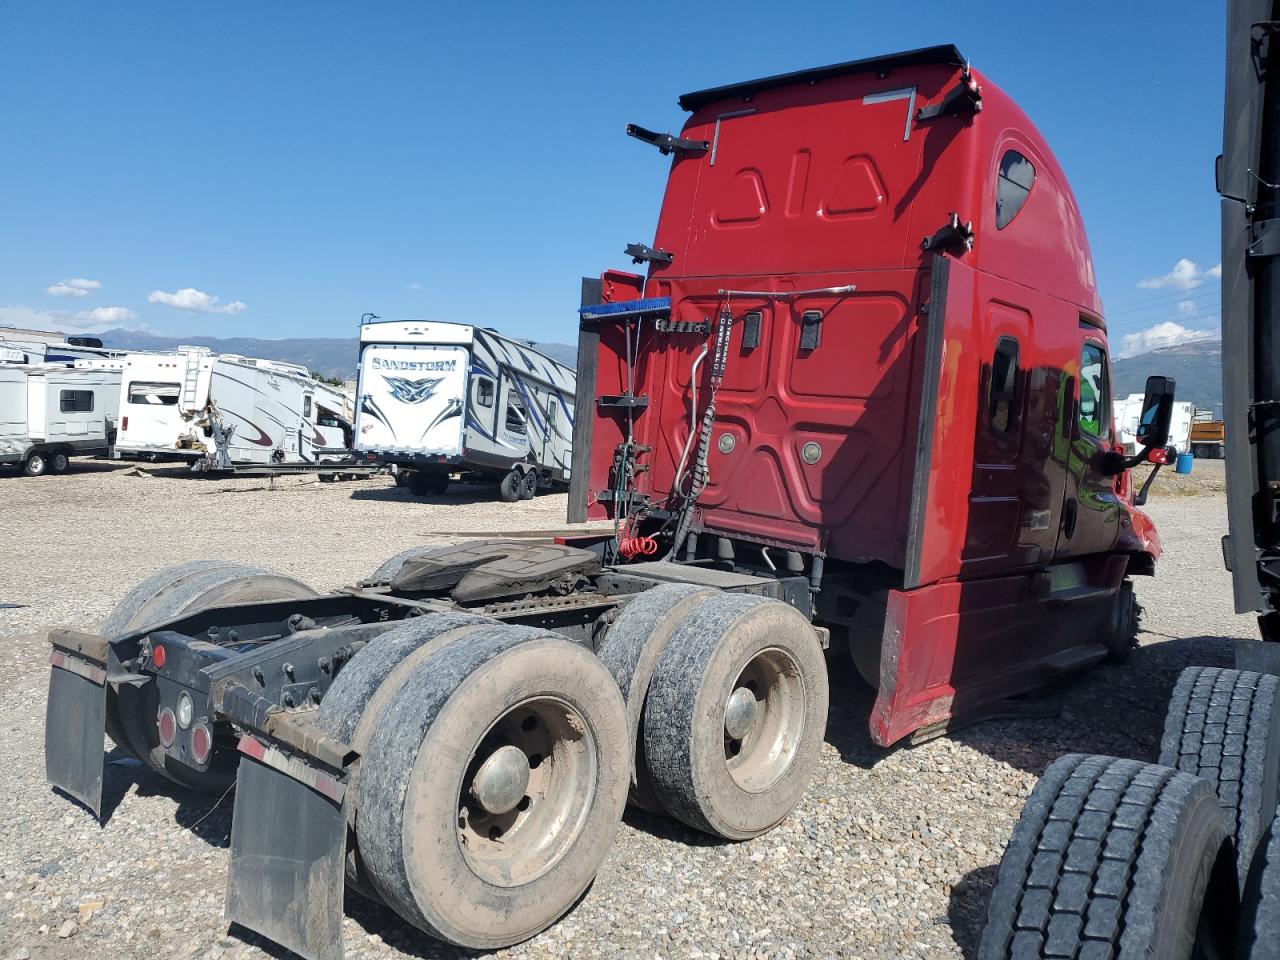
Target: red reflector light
{"points": [[158, 656], [201, 743], [124, 424], [168, 726]]}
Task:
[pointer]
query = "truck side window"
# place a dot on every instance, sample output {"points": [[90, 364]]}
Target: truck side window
{"points": [[1013, 186], [484, 392], [515, 415], [75, 401], [1003, 393], [1094, 391]]}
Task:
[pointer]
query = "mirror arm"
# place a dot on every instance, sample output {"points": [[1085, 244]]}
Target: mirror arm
{"points": [[1141, 499]]}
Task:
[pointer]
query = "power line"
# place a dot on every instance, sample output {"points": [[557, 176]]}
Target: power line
{"points": [[1212, 288]]}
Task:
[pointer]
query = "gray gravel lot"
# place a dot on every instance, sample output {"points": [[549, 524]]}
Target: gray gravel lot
{"points": [[890, 854]]}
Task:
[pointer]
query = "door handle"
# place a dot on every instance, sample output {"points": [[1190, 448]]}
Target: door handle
{"points": [[1070, 513]]}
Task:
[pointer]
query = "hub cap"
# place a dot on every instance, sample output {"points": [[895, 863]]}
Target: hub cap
{"points": [[764, 718], [501, 781]]}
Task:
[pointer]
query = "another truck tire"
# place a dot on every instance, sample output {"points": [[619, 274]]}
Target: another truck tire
{"points": [[493, 786], [35, 465], [177, 590], [1258, 932], [1224, 725], [529, 485], [59, 461], [630, 652], [1125, 621], [735, 715], [510, 485], [1114, 858]]}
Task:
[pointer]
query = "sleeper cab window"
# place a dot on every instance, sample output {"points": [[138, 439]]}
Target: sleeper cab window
{"points": [[1003, 391], [1094, 391], [1013, 186], [484, 392], [75, 401]]}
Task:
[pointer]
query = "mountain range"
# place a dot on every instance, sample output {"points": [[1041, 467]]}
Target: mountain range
{"points": [[1195, 366], [328, 356]]}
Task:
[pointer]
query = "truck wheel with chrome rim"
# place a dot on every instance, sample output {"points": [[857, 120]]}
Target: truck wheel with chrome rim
{"points": [[736, 711], [493, 785]]}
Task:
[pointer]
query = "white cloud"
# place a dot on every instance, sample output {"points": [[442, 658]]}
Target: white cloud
{"points": [[86, 321], [74, 287], [1186, 308], [415, 286], [1166, 334], [106, 315], [1185, 275], [189, 298]]}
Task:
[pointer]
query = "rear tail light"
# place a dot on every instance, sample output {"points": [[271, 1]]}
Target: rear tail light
{"points": [[124, 424], [201, 743], [168, 726], [158, 656]]}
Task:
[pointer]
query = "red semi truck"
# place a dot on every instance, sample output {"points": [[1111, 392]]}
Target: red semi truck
{"points": [[862, 391]]}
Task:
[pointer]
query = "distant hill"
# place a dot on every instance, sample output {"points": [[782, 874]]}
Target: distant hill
{"points": [[1197, 368], [330, 356]]}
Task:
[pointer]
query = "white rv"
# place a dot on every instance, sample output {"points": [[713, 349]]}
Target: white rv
{"points": [[220, 410], [46, 346], [439, 399], [52, 412], [1128, 410]]}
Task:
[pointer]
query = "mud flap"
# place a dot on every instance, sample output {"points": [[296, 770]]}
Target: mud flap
{"points": [[288, 840], [74, 726]]}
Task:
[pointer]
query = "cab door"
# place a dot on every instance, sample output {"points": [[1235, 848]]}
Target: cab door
{"points": [[1091, 509]]}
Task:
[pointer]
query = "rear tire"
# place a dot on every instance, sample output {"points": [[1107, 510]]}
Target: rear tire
{"points": [[428, 484], [511, 485], [1258, 932], [35, 465], [1125, 620], [630, 652], [529, 485], [59, 461], [1224, 725], [736, 711], [1113, 858], [493, 785]]}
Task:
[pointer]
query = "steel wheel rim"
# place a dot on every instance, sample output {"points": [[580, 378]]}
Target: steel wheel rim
{"points": [[508, 848], [761, 740], [37, 462], [60, 461]]}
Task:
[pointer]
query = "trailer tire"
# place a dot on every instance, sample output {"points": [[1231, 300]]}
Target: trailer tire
{"points": [[1224, 725], [630, 652], [493, 785], [1125, 621], [401, 478], [735, 715], [529, 484], [1113, 858], [1258, 932], [36, 464], [169, 593], [59, 461], [510, 486], [388, 569]]}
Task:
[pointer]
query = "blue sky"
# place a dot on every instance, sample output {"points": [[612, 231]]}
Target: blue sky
{"points": [[277, 169]]}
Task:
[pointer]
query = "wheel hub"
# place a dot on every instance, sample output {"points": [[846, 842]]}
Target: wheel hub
{"points": [[502, 780], [740, 712]]}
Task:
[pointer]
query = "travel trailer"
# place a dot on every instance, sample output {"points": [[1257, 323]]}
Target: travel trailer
{"points": [[442, 399], [50, 413], [18, 345], [220, 410], [1128, 410]]}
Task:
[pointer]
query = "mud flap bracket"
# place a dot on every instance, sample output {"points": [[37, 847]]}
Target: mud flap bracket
{"points": [[288, 842], [75, 716]]}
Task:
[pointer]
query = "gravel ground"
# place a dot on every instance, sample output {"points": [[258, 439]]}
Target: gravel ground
{"points": [[890, 854]]}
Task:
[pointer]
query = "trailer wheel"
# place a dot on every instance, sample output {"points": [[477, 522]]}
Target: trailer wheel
{"points": [[388, 569], [1258, 932], [36, 464], [529, 485], [1114, 858], [1125, 620], [510, 486], [1224, 725], [735, 715], [59, 461], [401, 478], [630, 652], [184, 588], [493, 785]]}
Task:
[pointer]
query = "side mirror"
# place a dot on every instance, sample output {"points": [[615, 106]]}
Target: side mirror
{"points": [[1157, 413]]}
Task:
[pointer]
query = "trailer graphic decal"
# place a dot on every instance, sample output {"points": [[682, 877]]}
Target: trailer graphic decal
{"points": [[452, 409], [412, 391], [368, 406], [263, 439]]}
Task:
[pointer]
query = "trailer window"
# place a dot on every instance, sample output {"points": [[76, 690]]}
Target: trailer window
{"points": [[76, 401], [1013, 186], [484, 392], [154, 394], [1094, 390], [306, 406], [515, 415], [1003, 392]]}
